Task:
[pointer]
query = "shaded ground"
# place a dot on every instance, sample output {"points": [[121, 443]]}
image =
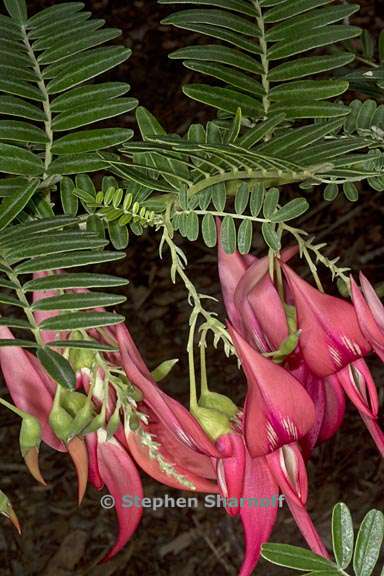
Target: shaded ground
{"points": [[61, 540]]}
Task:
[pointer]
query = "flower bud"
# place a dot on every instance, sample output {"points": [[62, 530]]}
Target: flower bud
{"points": [[72, 401], [218, 402], [30, 434], [114, 422], [60, 420], [83, 418], [80, 357], [96, 423], [7, 511], [213, 422]]}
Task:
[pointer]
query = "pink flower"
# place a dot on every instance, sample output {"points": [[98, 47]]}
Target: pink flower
{"points": [[330, 334], [117, 470], [370, 314], [277, 409], [251, 300]]}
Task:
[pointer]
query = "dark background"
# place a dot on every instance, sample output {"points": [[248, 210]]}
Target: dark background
{"points": [[58, 538]]}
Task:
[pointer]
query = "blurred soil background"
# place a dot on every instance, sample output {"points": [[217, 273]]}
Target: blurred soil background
{"points": [[60, 539]]}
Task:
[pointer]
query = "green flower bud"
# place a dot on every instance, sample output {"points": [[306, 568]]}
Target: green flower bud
{"points": [[80, 357], [72, 401], [60, 420], [83, 418], [30, 435], [96, 423], [163, 369], [213, 422], [218, 402], [7, 510], [4, 503], [114, 422]]}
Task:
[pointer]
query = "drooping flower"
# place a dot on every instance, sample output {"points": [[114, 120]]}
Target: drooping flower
{"points": [[118, 471], [330, 336], [278, 410], [370, 314], [257, 312]]}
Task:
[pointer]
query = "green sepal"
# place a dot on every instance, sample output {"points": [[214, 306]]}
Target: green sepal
{"points": [[219, 402], [30, 434], [213, 422], [163, 369]]}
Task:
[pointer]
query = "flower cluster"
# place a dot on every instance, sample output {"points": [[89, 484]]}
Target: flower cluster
{"points": [[302, 351]]}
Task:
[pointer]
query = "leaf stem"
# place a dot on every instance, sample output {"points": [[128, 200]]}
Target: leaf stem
{"points": [[264, 57], [46, 104]]}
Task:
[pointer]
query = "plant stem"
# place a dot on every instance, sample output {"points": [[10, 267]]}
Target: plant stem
{"points": [[203, 364], [26, 306], [12, 408], [264, 57], [46, 104], [191, 363]]}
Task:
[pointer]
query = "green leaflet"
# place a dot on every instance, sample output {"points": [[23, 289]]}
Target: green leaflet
{"points": [[14, 160], [78, 301], [240, 6], [368, 543], [94, 63], [87, 114], [82, 320], [295, 557], [12, 106], [62, 50], [17, 9], [342, 535], [90, 140], [214, 17], [223, 99], [74, 280], [15, 203], [86, 95], [57, 367], [21, 132]]}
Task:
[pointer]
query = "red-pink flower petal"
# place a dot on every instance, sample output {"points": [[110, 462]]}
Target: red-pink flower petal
{"points": [[231, 469], [278, 410], [122, 479], [288, 468], [257, 521], [169, 411], [369, 314], [93, 467], [315, 388], [359, 386], [373, 301], [151, 466], [334, 408], [330, 334], [30, 389]]}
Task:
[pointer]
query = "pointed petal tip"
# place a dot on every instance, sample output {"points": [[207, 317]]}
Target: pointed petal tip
{"points": [[78, 452], [31, 460], [14, 519]]}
